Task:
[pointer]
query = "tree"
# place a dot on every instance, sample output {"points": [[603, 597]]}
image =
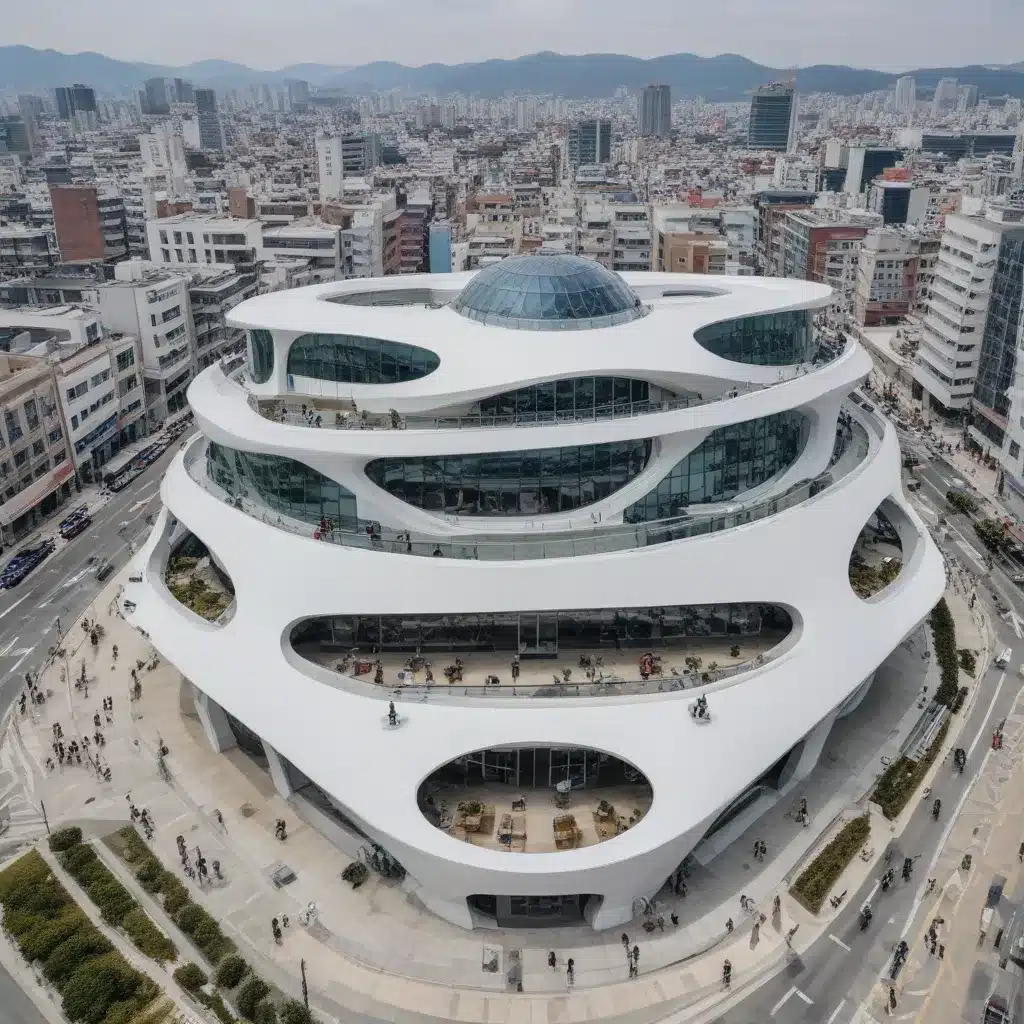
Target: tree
{"points": [[252, 993], [294, 1012]]}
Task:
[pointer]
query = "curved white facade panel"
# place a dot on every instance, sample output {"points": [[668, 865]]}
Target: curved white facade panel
{"points": [[777, 540]]}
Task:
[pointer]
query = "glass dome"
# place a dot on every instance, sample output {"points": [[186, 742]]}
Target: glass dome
{"points": [[548, 293]]}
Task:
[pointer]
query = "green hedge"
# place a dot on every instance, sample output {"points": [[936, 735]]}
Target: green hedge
{"points": [[64, 838], [148, 938], [294, 1012], [817, 879], [95, 982], [253, 991], [191, 977], [944, 641], [231, 971], [192, 919], [900, 780], [115, 902]]}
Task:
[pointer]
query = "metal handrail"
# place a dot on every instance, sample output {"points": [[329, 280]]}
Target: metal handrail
{"points": [[566, 544], [332, 419]]}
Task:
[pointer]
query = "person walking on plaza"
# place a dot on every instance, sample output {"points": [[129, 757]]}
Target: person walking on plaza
{"points": [[515, 667], [570, 972]]}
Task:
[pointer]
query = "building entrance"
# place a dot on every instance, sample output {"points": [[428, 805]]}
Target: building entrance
{"points": [[532, 911]]}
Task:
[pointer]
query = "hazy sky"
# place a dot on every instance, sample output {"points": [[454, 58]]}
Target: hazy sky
{"points": [[886, 34]]}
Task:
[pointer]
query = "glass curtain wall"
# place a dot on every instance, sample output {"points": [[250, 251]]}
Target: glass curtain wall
{"points": [[353, 359], [523, 483], [581, 397], [728, 462], [771, 339], [283, 485], [261, 355], [545, 632]]}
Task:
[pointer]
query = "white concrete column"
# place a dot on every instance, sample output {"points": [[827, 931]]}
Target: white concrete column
{"points": [[802, 761], [215, 723], [278, 771]]}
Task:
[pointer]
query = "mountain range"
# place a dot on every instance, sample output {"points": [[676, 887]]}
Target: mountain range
{"points": [[725, 77]]}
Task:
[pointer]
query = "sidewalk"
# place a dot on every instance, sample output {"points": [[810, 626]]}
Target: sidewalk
{"points": [[989, 827], [376, 951]]}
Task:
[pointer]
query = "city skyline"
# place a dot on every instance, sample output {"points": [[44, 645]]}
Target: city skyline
{"points": [[350, 34]]}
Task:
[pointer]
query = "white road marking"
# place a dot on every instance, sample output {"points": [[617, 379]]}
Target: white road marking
{"points": [[1016, 624], [836, 1012], [874, 889], [839, 942], [7, 650], [15, 605], [794, 991], [984, 722], [782, 1002]]}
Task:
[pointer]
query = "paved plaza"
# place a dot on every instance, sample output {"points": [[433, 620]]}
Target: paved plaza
{"points": [[376, 952]]}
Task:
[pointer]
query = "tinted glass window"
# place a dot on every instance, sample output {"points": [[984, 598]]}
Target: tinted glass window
{"points": [[261, 355], [352, 359], [581, 397], [522, 483], [773, 339], [284, 485], [728, 462]]}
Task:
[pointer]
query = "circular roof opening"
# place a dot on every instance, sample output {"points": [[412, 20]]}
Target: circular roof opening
{"points": [[548, 293]]}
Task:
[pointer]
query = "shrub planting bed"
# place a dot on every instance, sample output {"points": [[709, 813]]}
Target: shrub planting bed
{"points": [[97, 985], [944, 639], [192, 919], [117, 905], [816, 880], [900, 780]]}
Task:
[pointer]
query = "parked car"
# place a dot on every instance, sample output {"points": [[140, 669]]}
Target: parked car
{"points": [[103, 568], [23, 563], [76, 523]]}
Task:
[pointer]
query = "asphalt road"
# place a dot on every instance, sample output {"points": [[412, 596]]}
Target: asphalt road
{"points": [[15, 1006], [830, 980], [65, 584]]}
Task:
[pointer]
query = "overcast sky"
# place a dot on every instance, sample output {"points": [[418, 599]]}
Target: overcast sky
{"points": [[886, 34]]}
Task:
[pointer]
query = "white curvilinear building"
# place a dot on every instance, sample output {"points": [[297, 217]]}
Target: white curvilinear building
{"points": [[542, 508]]}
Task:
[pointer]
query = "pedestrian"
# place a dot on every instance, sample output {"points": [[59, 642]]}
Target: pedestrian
{"points": [[515, 666], [625, 941], [552, 960], [729, 925], [661, 923], [675, 920], [764, 850], [570, 972], [1020, 853]]}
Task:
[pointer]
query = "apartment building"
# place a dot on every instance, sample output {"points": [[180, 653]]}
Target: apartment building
{"points": [[212, 292], [997, 359], [886, 283], [771, 208], [102, 399], [36, 474], [152, 303], [190, 238], [345, 156], [686, 240], [954, 315], [25, 250], [90, 223], [824, 245], [413, 232], [311, 239]]}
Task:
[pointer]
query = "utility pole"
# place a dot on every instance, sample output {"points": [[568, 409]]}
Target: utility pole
{"points": [[42, 807], [305, 989]]}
